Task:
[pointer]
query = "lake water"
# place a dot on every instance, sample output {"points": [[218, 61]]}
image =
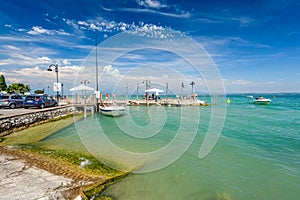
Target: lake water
{"points": [[256, 157]]}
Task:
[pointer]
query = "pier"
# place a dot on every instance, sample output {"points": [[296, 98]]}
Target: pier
{"points": [[160, 102]]}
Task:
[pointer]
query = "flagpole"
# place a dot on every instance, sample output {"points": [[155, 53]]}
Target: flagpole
{"points": [[97, 85]]}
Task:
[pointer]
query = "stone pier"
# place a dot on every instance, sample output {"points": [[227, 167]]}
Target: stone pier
{"points": [[12, 123]]}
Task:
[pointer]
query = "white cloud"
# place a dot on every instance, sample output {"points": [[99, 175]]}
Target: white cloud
{"points": [[38, 77], [19, 59], [241, 82], [8, 25], [44, 59], [152, 31], [151, 4], [71, 23], [66, 62], [6, 61], [10, 47], [101, 25], [38, 30], [244, 20], [82, 23], [110, 71], [181, 14]]}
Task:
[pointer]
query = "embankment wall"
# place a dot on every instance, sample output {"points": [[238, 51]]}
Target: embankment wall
{"points": [[18, 122]]}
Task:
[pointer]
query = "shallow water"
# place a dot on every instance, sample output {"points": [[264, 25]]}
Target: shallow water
{"points": [[256, 157]]}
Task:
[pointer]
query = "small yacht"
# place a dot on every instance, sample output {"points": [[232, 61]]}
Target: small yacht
{"points": [[261, 100], [112, 110]]}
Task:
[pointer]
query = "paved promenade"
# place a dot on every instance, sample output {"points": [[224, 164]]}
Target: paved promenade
{"points": [[7, 112], [20, 181]]}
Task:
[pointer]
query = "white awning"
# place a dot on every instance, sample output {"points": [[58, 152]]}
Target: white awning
{"points": [[81, 88], [154, 90]]}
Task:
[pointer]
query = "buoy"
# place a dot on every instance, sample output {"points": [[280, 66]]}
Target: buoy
{"points": [[228, 101]]}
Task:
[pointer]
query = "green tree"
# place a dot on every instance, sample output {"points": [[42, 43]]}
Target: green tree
{"points": [[39, 91], [18, 87], [3, 85]]}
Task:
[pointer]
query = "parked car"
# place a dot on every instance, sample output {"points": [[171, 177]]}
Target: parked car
{"points": [[39, 101], [11, 101]]}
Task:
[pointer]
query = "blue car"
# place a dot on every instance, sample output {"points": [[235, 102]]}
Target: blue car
{"points": [[39, 102]]}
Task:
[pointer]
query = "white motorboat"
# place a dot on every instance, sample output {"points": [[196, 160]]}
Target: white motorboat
{"points": [[113, 111], [261, 100]]}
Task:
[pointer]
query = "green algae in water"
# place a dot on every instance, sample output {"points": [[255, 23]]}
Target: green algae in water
{"points": [[73, 159], [38, 132], [97, 191]]}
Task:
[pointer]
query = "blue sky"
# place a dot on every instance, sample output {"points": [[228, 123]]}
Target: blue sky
{"points": [[254, 44]]}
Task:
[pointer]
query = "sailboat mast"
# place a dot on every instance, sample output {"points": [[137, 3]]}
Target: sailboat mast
{"points": [[97, 87]]}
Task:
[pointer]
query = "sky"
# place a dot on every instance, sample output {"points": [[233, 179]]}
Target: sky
{"points": [[254, 45]]}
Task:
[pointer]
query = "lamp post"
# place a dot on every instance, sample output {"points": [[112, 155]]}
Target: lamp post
{"points": [[84, 82], [193, 96], [192, 84], [56, 71], [62, 90]]}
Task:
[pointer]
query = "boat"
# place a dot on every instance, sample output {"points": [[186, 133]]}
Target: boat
{"points": [[261, 100], [112, 110]]}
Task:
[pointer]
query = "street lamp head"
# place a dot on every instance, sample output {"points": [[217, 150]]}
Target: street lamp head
{"points": [[56, 71], [192, 83], [85, 82], [53, 65]]}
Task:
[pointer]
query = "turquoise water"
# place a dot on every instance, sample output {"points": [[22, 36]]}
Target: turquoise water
{"points": [[256, 157]]}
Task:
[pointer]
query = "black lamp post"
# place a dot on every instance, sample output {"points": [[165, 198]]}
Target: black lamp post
{"points": [[56, 71], [84, 82], [192, 84], [62, 90]]}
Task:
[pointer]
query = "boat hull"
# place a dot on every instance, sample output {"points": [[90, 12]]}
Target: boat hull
{"points": [[112, 111], [262, 102]]}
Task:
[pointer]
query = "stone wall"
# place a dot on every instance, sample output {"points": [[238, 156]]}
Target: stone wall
{"points": [[18, 122]]}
